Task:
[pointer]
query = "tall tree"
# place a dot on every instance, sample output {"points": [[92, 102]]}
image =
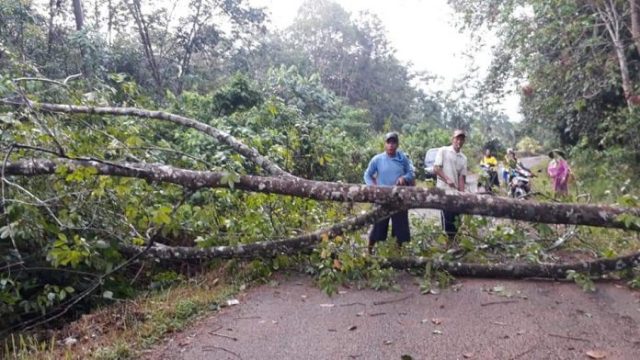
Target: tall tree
{"points": [[135, 9], [573, 60], [354, 59]]}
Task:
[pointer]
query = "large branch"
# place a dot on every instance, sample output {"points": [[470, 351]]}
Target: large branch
{"points": [[523, 270], [405, 197], [264, 248], [221, 136]]}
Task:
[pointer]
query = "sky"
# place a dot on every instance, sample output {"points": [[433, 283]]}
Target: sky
{"points": [[422, 31]]}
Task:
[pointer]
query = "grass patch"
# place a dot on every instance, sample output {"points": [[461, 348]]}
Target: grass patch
{"points": [[122, 330]]}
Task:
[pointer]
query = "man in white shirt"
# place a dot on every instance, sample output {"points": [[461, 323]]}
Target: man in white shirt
{"points": [[451, 168]]}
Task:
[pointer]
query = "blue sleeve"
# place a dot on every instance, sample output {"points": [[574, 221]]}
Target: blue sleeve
{"points": [[371, 170], [409, 171]]}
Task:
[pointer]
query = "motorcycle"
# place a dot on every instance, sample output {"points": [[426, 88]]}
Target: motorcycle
{"points": [[488, 178], [519, 184]]}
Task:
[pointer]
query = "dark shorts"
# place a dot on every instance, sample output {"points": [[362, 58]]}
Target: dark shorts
{"points": [[399, 228]]}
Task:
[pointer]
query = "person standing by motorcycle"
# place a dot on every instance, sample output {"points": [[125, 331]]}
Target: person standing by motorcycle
{"points": [[512, 163], [559, 171], [489, 164], [515, 167], [451, 168]]}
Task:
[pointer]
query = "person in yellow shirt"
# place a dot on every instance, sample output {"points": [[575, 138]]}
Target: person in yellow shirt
{"points": [[489, 163]]}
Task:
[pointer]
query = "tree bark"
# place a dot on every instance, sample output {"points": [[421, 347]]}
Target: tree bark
{"points": [[221, 136], [143, 30], [635, 23], [519, 271], [188, 48], [78, 13], [613, 23], [397, 196], [52, 13], [264, 248]]}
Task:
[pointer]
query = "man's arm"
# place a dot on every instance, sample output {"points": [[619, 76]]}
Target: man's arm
{"points": [[437, 168], [371, 170], [409, 171], [462, 181], [462, 178], [441, 175]]}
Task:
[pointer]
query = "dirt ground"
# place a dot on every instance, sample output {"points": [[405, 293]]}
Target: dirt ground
{"points": [[475, 319]]}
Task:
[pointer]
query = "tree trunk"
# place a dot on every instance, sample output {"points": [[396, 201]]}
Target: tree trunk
{"points": [[143, 30], [519, 271], [614, 23], [399, 196], [52, 14], [260, 249], [635, 23], [188, 48], [78, 14], [221, 136]]}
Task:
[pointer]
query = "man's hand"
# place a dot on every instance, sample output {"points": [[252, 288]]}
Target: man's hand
{"points": [[451, 183], [401, 181]]}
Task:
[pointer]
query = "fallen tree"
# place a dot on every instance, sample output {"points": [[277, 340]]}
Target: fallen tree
{"points": [[405, 197], [520, 270], [391, 198]]}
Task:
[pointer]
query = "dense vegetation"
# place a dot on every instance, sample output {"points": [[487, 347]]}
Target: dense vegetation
{"points": [[313, 98]]}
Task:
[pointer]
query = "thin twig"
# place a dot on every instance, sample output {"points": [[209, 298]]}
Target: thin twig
{"points": [[569, 337], [42, 80], [4, 208], [224, 336], [354, 303], [392, 301], [499, 323], [42, 203], [9, 266], [523, 353], [499, 302], [378, 314], [137, 274], [214, 347]]}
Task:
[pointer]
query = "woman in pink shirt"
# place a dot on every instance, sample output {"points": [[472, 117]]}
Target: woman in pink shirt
{"points": [[559, 172]]}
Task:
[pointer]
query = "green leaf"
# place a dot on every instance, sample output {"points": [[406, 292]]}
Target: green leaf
{"points": [[161, 216]]}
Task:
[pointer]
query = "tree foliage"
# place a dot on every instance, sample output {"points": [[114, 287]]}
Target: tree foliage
{"points": [[576, 64]]}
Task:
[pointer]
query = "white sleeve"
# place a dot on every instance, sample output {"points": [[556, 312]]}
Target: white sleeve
{"points": [[439, 158], [464, 168]]}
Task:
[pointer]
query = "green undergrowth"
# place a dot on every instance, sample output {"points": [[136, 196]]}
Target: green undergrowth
{"points": [[125, 328]]}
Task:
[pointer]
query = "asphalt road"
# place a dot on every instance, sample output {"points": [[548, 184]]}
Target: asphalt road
{"points": [[476, 319]]}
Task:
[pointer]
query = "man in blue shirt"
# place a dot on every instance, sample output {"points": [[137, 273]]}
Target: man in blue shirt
{"points": [[390, 168]]}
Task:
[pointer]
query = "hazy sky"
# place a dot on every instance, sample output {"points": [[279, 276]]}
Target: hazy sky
{"points": [[422, 32]]}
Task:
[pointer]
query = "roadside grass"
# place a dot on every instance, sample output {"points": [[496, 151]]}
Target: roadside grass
{"points": [[125, 329]]}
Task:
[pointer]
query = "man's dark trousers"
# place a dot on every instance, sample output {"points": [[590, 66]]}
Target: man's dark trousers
{"points": [[449, 220], [399, 228]]}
